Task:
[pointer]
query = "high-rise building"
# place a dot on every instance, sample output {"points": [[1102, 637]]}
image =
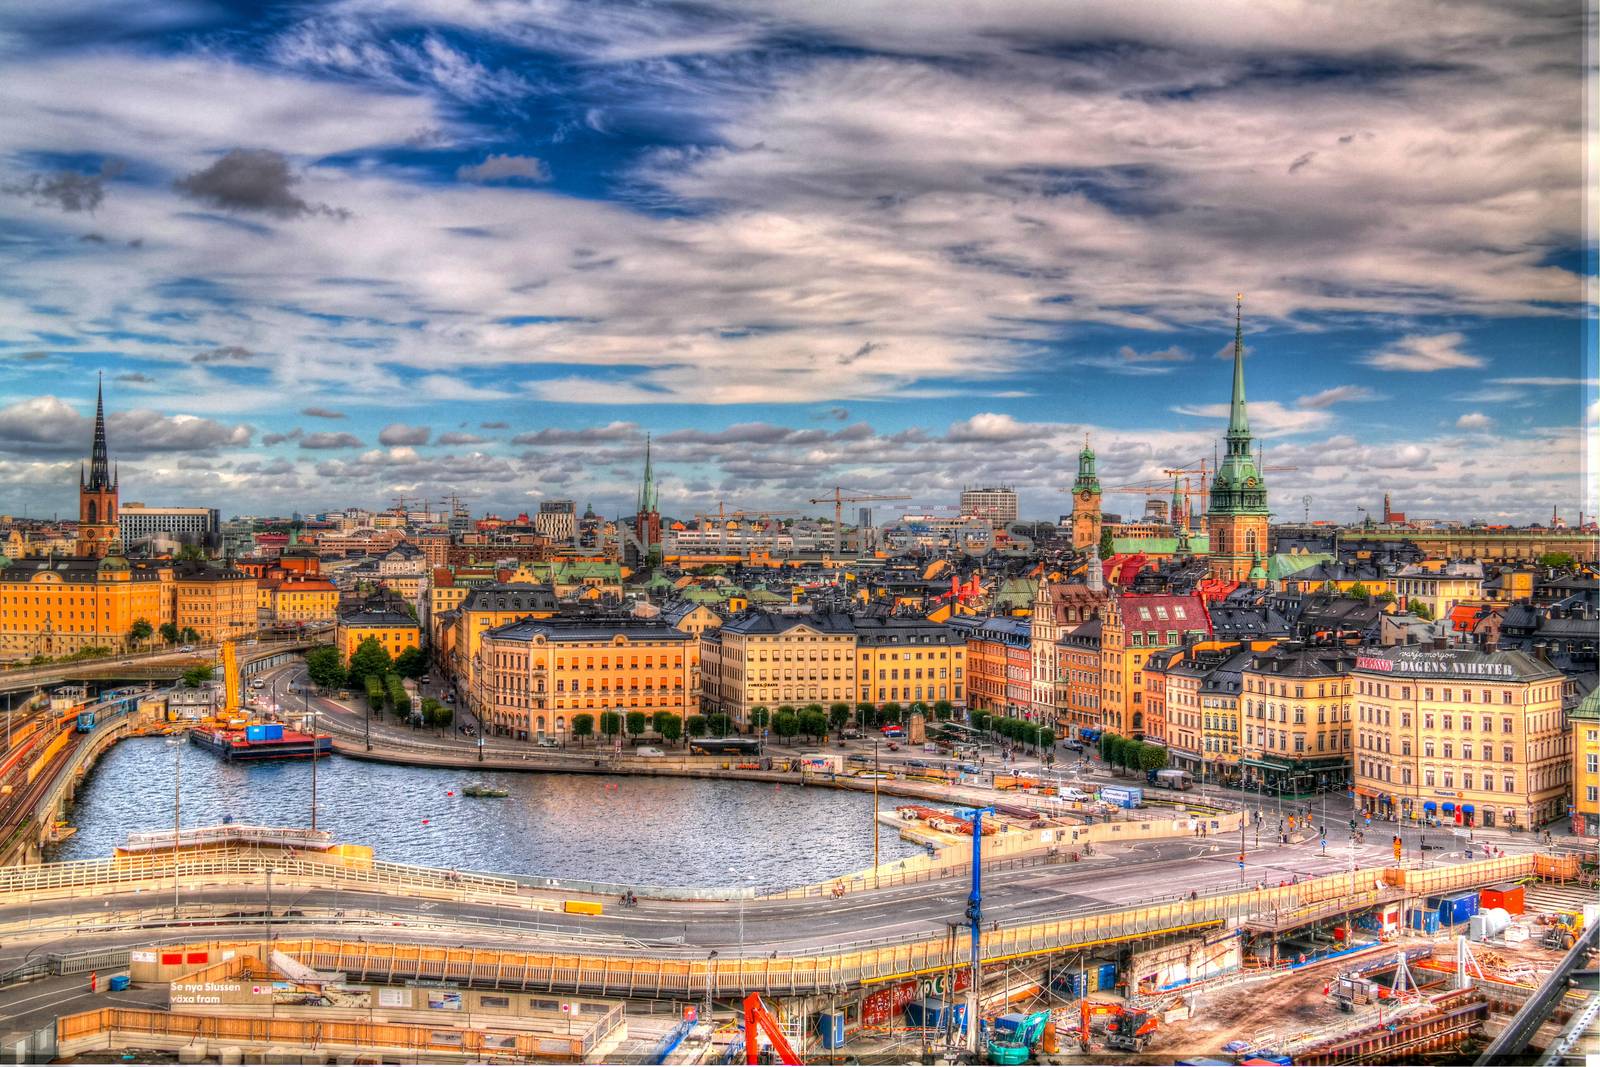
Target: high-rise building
{"points": [[97, 493], [192, 526], [996, 505], [1237, 520], [1086, 516], [557, 520]]}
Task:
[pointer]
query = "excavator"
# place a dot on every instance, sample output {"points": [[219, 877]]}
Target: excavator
{"points": [[1127, 1029]]}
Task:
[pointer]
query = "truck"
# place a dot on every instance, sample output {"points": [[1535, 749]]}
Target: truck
{"points": [[1122, 796], [1172, 779], [822, 763]]}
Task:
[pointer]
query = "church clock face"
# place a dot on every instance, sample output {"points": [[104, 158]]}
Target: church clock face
{"points": [[1084, 496]]}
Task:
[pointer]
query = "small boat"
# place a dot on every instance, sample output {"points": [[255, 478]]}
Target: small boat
{"points": [[485, 791]]}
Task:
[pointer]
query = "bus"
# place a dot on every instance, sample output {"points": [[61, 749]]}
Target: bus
{"points": [[725, 746]]}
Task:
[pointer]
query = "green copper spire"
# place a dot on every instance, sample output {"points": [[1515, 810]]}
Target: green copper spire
{"points": [[1087, 479], [1238, 419], [647, 492], [1238, 488]]}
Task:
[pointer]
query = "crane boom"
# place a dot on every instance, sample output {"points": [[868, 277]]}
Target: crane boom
{"points": [[839, 500], [758, 1020]]}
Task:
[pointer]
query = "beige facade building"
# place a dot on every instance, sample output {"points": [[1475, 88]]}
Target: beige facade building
{"points": [[1466, 737]]}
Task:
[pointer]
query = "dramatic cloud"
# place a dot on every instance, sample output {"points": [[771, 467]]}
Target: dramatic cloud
{"points": [[49, 425], [330, 440], [252, 181], [1339, 394], [398, 433], [1417, 353], [504, 168]]}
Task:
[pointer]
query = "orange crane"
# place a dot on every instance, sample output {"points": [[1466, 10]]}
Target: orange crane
{"points": [[758, 1020], [839, 500]]}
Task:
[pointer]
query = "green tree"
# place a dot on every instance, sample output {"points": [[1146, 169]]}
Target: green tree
{"points": [[813, 723], [369, 660], [695, 725], [719, 723], [669, 726], [411, 663], [582, 725], [865, 715], [1558, 560], [814, 709], [1420, 609], [189, 636], [190, 552], [982, 721], [892, 712], [197, 675], [140, 631], [944, 710], [838, 715], [1152, 758], [1047, 738], [430, 712], [169, 632], [444, 716], [399, 698], [1110, 748], [785, 724], [610, 723], [787, 709], [636, 723], [375, 693], [760, 717], [1384, 597], [1105, 543], [1359, 591], [325, 667]]}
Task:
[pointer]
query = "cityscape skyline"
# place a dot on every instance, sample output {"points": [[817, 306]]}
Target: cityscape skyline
{"points": [[411, 249]]}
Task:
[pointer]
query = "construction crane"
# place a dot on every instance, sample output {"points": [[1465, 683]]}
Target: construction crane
{"points": [[839, 500], [759, 1021], [723, 516]]}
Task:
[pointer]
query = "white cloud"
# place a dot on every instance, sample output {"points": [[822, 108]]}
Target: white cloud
{"points": [[1268, 418], [1339, 394], [1475, 421], [1425, 353]]}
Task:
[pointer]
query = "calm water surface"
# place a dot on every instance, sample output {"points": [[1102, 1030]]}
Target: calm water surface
{"points": [[639, 831]]}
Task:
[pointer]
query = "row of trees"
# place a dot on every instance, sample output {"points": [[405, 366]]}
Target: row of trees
{"points": [[325, 664], [1021, 731], [141, 632], [1132, 755]]}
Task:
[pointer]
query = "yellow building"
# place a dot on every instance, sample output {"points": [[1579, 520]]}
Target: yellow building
{"points": [[1438, 586], [533, 676], [52, 607], [312, 601], [906, 661], [489, 606], [216, 602], [395, 630], [1134, 626], [1474, 738], [1584, 722], [1296, 719], [758, 659], [1202, 708]]}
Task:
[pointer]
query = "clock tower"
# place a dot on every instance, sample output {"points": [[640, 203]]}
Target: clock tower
{"points": [[1237, 518], [1086, 501]]}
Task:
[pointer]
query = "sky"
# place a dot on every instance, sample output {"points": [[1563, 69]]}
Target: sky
{"points": [[332, 253]]}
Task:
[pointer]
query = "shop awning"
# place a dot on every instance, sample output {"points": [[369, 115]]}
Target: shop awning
{"points": [[1449, 805], [1467, 808], [1428, 805], [1362, 790]]}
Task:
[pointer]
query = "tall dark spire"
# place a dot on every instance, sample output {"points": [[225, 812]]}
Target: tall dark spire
{"points": [[99, 462], [1238, 420]]}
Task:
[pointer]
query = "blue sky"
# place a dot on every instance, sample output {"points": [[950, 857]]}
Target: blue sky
{"points": [[329, 253]]}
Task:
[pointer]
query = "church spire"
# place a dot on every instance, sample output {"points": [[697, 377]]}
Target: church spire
{"points": [[647, 492], [99, 463], [1238, 419]]}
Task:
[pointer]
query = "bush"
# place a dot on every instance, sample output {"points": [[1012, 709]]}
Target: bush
{"points": [[399, 699], [375, 693]]}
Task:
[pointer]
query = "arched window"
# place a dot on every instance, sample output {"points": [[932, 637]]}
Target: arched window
{"points": [[93, 511]]}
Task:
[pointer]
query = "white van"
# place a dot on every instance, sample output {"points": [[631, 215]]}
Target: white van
{"points": [[647, 750]]}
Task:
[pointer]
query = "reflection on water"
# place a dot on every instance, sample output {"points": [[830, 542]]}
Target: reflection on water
{"points": [[641, 831]]}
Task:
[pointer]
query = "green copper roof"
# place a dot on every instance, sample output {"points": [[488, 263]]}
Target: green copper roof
{"points": [[1199, 544], [1087, 479], [1283, 564]]}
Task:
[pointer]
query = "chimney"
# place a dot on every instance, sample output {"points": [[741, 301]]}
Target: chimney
{"points": [[1440, 643]]}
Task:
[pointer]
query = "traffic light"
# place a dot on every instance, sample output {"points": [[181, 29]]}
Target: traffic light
{"points": [[1397, 846]]}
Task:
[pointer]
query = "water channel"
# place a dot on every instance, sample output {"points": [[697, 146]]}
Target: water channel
{"points": [[633, 831]]}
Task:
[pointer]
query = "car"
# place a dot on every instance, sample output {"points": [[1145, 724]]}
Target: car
{"points": [[1069, 793], [915, 763], [543, 742], [424, 679], [449, 698], [967, 768], [1072, 745], [186, 648], [126, 663], [648, 750]]}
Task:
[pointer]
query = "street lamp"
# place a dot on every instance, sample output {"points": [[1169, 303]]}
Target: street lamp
{"points": [[177, 742]]}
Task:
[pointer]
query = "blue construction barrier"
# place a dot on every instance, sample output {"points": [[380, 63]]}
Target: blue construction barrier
{"points": [[670, 1043]]}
